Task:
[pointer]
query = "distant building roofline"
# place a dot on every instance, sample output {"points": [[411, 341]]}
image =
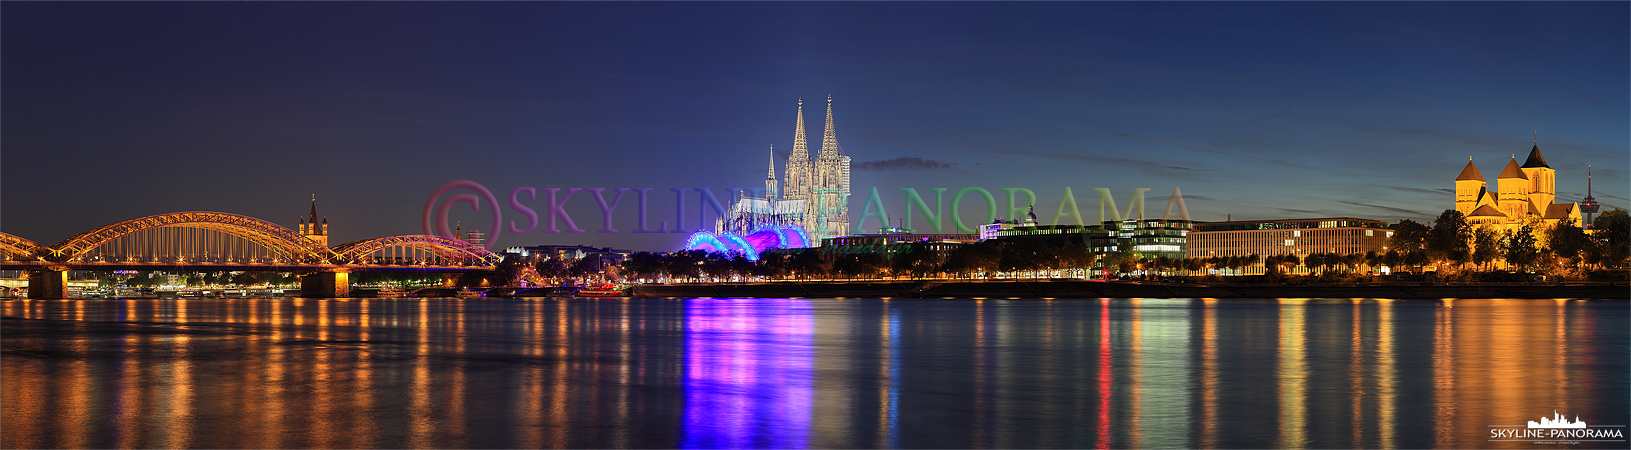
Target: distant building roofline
{"points": [[556, 247], [1315, 219]]}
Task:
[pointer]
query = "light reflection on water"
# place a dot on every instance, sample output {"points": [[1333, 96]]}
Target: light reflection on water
{"points": [[747, 373], [781, 373]]}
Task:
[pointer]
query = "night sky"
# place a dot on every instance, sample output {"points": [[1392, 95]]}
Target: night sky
{"points": [[112, 111]]}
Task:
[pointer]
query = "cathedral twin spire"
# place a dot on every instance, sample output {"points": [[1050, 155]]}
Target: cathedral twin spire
{"points": [[829, 172], [798, 164], [829, 140], [824, 171]]}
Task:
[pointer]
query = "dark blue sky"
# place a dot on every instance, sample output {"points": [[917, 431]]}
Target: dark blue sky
{"points": [[112, 111]]}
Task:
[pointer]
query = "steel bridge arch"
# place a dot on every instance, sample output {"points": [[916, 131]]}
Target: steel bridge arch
{"points": [[12, 244], [352, 252], [275, 237]]}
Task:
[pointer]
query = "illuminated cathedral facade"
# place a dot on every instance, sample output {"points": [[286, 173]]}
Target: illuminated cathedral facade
{"points": [[1524, 193], [813, 193]]}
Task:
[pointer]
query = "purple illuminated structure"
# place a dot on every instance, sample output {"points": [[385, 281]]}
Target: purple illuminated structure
{"points": [[763, 238]]}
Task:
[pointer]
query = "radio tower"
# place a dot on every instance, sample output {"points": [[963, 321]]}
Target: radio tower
{"points": [[1589, 205]]}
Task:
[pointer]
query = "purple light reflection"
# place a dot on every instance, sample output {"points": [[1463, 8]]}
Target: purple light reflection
{"points": [[747, 373]]}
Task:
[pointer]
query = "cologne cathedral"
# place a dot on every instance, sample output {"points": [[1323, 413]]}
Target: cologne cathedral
{"points": [[814, 198]]}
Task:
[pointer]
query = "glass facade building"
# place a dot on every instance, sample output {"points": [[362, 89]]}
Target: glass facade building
{"points": [[1147, 238]]}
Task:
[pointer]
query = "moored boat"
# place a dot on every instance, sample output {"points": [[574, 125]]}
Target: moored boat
{"points": [[603, 291]]}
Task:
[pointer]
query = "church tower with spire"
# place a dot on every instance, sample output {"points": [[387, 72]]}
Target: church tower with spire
{"points": [[770, 180], [1521, 194], [831, 184], [828, 157], [1542, 178], [798, 164], [1514, 187], [313, 230], [1470, 187]]}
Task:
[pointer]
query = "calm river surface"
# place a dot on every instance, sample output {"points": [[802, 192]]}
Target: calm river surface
{"points": [[779, 373]]}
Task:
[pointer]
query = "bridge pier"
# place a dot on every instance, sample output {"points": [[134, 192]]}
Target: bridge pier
{"points": [[47, 284], [325, 285]]}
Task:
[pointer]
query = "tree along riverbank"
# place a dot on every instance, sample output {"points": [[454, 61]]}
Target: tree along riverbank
{"points": [[1129, 289]]}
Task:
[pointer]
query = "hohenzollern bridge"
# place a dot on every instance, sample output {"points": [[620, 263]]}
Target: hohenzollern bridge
{"points": [[214, 241]]}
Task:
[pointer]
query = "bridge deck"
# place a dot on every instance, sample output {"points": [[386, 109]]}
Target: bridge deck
{"points": [[235, 267]]}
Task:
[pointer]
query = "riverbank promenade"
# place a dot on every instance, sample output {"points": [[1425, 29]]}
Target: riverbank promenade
{"points": [[1130, 289]]}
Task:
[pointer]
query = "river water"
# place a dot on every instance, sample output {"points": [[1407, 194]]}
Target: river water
{"points": [[785, 373]]}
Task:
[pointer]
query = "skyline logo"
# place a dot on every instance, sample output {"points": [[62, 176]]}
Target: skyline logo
{"points": [[1557, 430], [1557, 421], [435, 214]]}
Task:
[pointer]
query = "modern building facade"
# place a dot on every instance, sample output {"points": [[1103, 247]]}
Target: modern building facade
{"points": [[1343, 235], [474, 237], [890, 244], [1150, 238]]}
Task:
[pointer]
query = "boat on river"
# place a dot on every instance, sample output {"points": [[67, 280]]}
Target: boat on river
{"points": [[603, 291]]}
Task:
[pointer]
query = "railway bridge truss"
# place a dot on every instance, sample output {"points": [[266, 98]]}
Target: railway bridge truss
{"points": [[215, 241]]}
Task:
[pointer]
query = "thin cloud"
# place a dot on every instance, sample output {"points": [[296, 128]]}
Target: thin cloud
{"points": [[1187, 197], [1442, 137], [1607, 207], [1191, 147], [1423, 191], [1108, 159], [901, 163], [1385, 208], [1165, 142]]}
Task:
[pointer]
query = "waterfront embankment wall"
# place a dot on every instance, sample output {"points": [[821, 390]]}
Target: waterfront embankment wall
{"points": [[1122, 289]]}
